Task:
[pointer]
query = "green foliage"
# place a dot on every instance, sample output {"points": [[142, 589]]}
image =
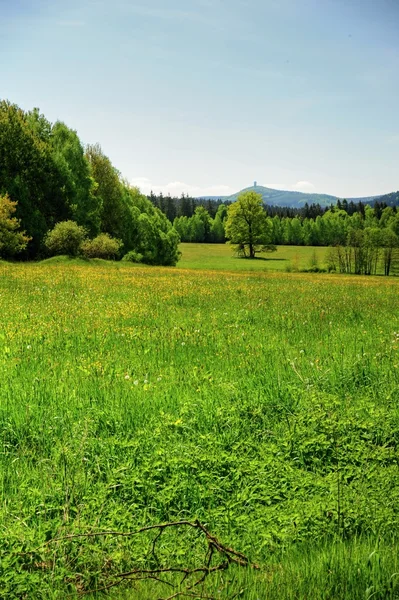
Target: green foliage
{"points": [[67, 237], [217, 233], [80, 188], [201, 227], [157, 240], [247, 225], [29, 173], [44, 169], [133, 257], [102, 246], [108, 193], [12, 240]]}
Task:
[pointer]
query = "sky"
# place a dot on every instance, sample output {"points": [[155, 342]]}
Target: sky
{"points": [[206, 96]]}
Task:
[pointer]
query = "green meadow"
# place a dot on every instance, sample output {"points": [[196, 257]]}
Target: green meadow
{"points": [[260, 402], [221, 256]]}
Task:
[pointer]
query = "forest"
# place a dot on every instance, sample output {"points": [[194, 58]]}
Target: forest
{"points": [[48, 177]]}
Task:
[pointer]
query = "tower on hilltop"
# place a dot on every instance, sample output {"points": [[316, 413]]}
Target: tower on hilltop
{"points": [[255, 182]]}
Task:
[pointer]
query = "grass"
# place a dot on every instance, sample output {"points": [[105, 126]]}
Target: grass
{"points": [[221, 256], [263, 404]]}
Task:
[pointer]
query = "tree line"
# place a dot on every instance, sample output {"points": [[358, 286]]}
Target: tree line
{"points": [[185, 206], [330, 227], [48, 177], [361, 242]]}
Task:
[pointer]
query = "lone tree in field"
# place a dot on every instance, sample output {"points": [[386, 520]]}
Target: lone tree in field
{"points": [[247, 225]]}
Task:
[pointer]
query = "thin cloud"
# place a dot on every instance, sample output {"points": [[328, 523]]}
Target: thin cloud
{"points": [[176, 188], [303, 186]]}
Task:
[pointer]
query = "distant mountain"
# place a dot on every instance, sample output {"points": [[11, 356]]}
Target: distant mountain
{"points": [[391, 199], [291, 199], [285, 198]]}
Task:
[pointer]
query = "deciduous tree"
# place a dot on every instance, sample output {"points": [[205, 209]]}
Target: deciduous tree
{"points": [[12, 240], [247, 225]]}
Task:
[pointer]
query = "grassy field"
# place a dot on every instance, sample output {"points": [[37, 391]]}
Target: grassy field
{"points": [[221, 256], [263, 404]]}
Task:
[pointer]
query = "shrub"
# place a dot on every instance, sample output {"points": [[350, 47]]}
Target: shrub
{"points": [[133, 256], [102, 246], [66, 238]]}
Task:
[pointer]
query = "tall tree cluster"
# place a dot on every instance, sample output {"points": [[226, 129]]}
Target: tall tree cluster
{"points": [[201, 227], [50, 177]]}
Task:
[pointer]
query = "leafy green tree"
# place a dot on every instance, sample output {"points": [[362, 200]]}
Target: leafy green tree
{"points": [[197, 228], [370, 219], [295, 232], [146, 230], [158, 241], [277, 230], [247, 225], [390, 250], [39, 125], [386, 217], [182, 226], [334, 230], [80, 186], [371, 249], [66, 238], [356, 242], [28, 172], [201, 214], [393, 223], [308, 232], [12, 240], [217, 233], [222, 212], [109, 193]]}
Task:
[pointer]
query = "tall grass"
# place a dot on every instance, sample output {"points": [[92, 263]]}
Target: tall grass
{"points": [[265, 405]]}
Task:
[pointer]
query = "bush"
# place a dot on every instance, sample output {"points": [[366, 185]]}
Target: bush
{"points": [[133, 256], [66, 238], [102, 246]]}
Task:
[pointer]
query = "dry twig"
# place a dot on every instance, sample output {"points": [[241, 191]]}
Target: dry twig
{"points": [[192, 577]]}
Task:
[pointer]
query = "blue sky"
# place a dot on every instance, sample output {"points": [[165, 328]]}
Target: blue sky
{"points": [[206, 96]]}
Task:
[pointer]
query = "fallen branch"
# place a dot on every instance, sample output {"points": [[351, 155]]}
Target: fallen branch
{"points": [[193, 577]]}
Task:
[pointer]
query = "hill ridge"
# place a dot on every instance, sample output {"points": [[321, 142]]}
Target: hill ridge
{"points": [[296, 199]]}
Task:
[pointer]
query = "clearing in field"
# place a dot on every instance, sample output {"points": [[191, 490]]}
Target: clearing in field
{"points": [[263, 404]]}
